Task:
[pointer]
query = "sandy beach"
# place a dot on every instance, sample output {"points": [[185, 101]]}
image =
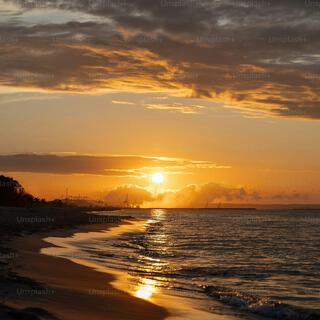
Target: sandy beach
{"points": [[179, 308], [38, 286], [71, 291]]}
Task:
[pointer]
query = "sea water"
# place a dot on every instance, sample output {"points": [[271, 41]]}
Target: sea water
{"points": [[248, 264]]}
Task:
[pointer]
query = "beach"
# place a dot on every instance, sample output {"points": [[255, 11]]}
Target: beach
{"points": [[44, 287], [145, 264], [156, 257], [144, 288]]}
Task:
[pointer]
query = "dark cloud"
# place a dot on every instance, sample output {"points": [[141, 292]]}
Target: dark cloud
{"points": [[251, 54], [96, 165]]}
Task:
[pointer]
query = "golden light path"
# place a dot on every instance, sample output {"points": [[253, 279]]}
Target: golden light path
{"points": [[180, 308], [146, 289]]}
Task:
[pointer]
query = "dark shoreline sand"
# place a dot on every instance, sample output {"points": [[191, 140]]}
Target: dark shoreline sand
{"points": [[61, 289]]}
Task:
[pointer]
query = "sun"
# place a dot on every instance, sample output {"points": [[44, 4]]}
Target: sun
{"points": [[158, 178]]}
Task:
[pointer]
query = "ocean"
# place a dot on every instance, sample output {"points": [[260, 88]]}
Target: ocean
{"points": [[242, 264]]}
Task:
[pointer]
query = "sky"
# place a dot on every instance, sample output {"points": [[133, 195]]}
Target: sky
{"points": [[221, 97]]}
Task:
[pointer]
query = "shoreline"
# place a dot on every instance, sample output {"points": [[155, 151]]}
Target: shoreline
{"points": [[69, 291], [179, 308]]}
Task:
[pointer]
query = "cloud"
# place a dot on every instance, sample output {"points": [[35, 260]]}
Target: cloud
{"points": [[120, 166], [189, 196], [201, 196], [197, 196], [175, 107], [295, 196], [122, 102], [25, 96], [255, 55], [134, 194]]}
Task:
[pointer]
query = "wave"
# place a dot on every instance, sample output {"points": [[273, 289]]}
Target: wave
{"points": [[223, 273], [260, 306]]}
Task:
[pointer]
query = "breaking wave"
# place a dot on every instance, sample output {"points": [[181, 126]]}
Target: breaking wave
{"points": [[258, 305]]}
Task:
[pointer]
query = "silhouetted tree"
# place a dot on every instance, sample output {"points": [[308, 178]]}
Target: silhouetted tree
{"points": [[13, 194]]}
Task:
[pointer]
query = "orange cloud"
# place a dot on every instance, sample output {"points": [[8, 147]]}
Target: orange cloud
{"points": [[195, 196], [207, 51], [120, 166], [176, 107]]}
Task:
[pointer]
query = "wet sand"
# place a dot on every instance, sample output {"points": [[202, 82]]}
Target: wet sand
{"points": [[70, 291]]}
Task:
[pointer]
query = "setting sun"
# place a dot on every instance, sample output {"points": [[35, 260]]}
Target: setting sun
{"points": [[158, 178]]}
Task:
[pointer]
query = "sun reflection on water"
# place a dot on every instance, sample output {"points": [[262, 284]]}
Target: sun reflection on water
{"points": [[146, 289], [157, 213]]}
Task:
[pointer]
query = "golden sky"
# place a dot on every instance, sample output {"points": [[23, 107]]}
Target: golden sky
{"points": [[98, 96]]}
